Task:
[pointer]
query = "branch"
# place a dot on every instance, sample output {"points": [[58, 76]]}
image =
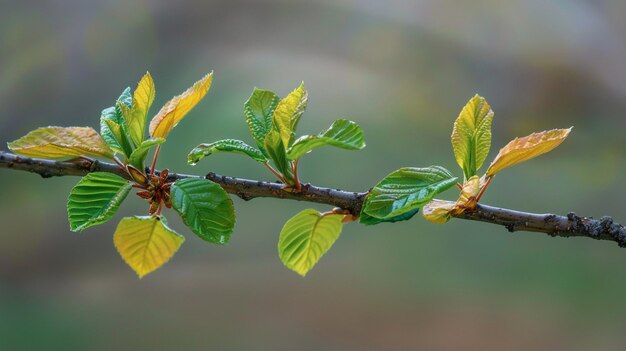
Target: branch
{"points": [[554, 225]]}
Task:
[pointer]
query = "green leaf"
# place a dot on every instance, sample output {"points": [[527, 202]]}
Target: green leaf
{"points": [[146, 243], [288, 112], [276, 152], [205, 208], [61, 143], [226, 145], [366, 219], [139, 155], [406, 189], [136, 117], [113, 127], [471, 136], [342, 133], [95, 199], [306, 237], [259, 111]]}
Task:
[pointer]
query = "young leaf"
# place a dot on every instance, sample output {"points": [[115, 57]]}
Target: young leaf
{"points": [[113, 127], [259, 110], [139, 155], [288, 113], [471, 136], [205, 208], [366, 219], [405, 190], [438, 211], [174, 110], [142, 100], [146, 243], [95, 199], [523, 149], [342, 133], [306, 237], [226, 145], [60, 142], [276, 151]]}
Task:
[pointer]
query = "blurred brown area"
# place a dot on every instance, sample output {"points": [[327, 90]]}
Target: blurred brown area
{"points": [[402, 70]]}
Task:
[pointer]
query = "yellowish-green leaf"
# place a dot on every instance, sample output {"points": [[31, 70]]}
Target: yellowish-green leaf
{"points": [[142, 100], [471, 136], [61, 142], [288, 112], [174, 110], [438, 211], [146, 243], [523, 149], [277, 153], [306, 237]]}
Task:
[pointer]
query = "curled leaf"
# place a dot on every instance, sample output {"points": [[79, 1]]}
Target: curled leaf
{"points": [[142, 100], [526, 148], [174, 110], [342, 133], [288, 112], [259, 111], [438, 211], [61, 142], [139, 154], [471, 136], [226, 145]]}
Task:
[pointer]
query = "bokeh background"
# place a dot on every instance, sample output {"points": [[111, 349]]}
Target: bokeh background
{"points": [[403, 70]]}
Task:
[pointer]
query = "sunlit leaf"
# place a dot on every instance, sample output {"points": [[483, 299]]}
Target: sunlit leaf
{"points": [[406, 189], [139, 155], [471, 136], [61, 142], [143, 97], [113, 126], [306, 237], [438, 211], [226, 145], [259, 111], [342, 133], [174, 110], [95, 199], [205, 208], [146, 243], [523, 149], [288, 112]]}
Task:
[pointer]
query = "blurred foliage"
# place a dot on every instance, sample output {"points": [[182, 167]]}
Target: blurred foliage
{"points": [[402, 70]]}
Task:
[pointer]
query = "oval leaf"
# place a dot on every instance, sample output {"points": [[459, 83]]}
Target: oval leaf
{"points": [[146, 243], [342, 133], [366, 219], [205, 208], [226, 145], [61, 142], [288, 113], [139, 155], [174, 110], [142, 100], [259, 110], [523, 149], [306, 237], [405, 190], [471, 136], [95, 199]]}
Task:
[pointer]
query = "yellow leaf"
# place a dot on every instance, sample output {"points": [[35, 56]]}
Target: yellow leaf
{"points": [[471, 135], [288, 112], [146, 243], [61, 142], [142, 100], [523, 149], [174, 110], [438, 211]]}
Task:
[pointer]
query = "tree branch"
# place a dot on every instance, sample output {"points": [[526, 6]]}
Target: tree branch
{"points": [[554, 225]]}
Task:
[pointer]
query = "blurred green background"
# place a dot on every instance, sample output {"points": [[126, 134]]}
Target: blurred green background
{"points": [[402, 70]]}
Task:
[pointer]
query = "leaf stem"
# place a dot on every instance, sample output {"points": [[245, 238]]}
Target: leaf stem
{"points": [[154, 159], [482, 191], [275, 172], [296, 180]]}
